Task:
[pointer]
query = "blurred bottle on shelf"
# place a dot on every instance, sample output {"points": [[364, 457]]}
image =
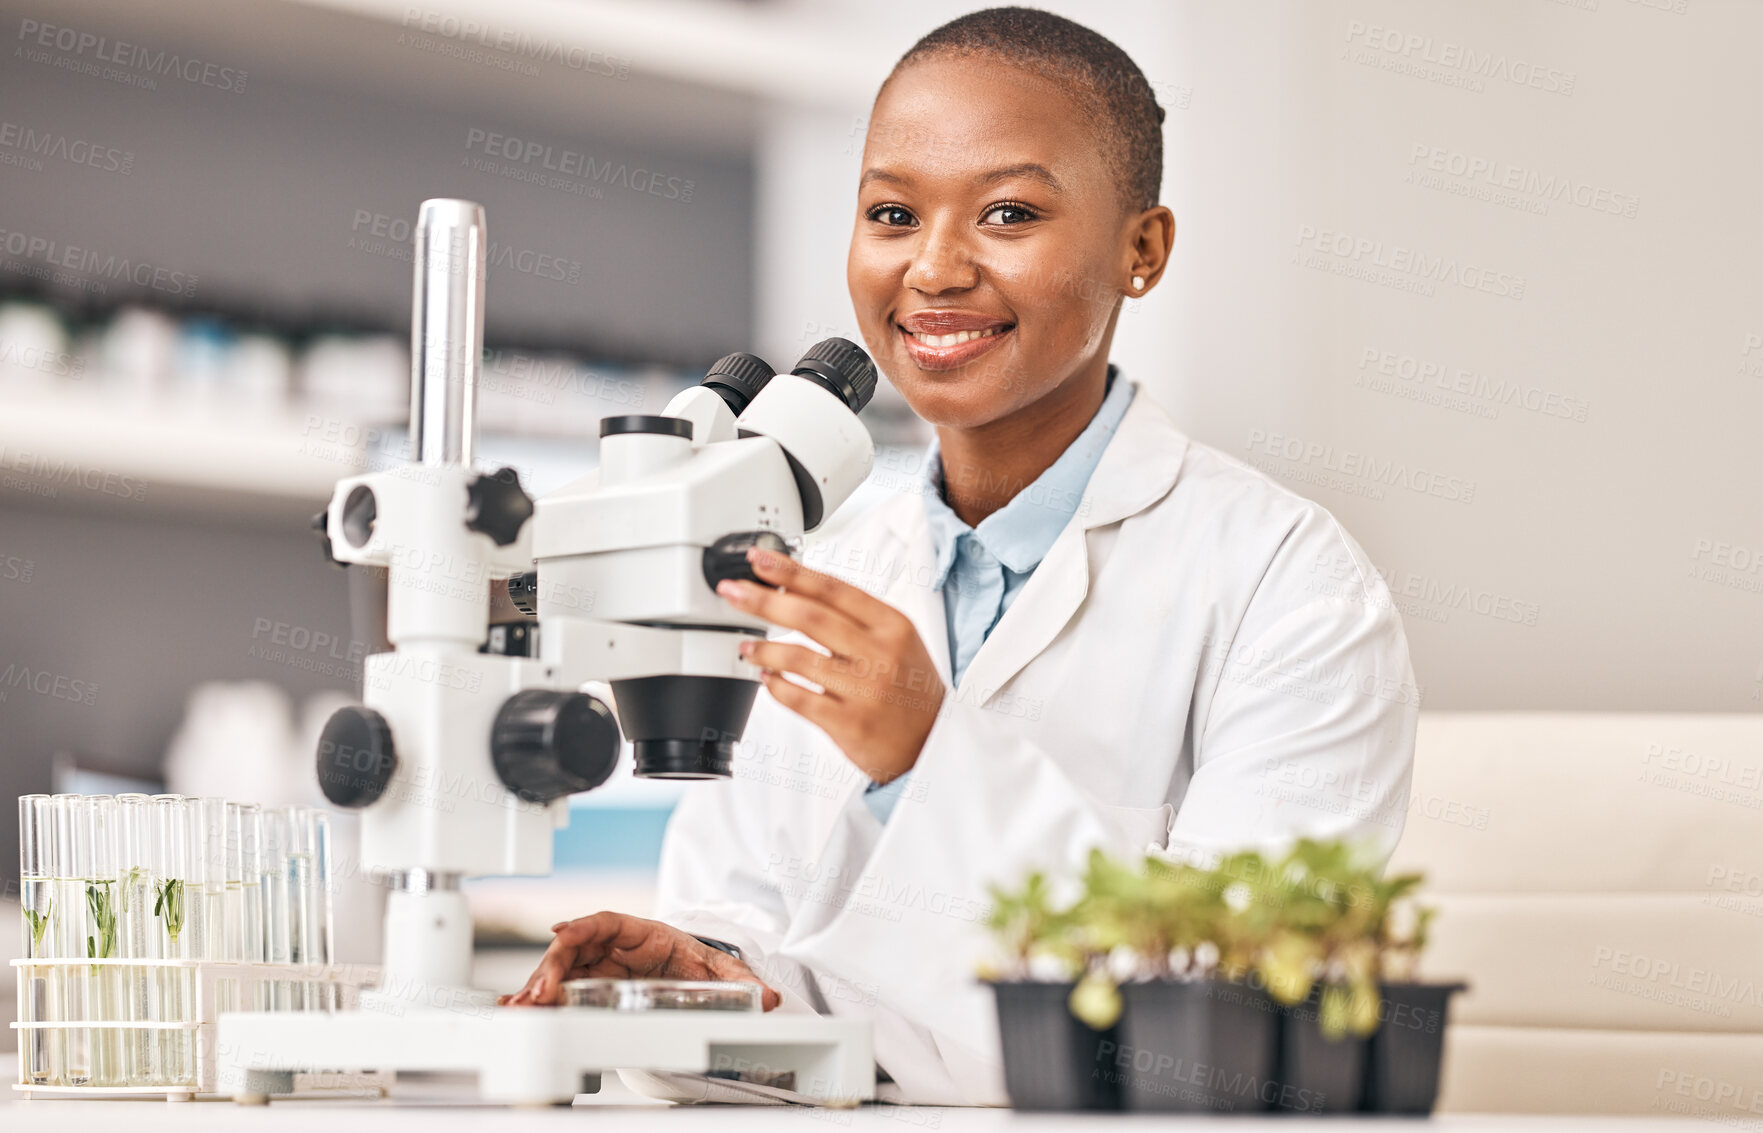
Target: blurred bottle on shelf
{"points": [[34, 352]]}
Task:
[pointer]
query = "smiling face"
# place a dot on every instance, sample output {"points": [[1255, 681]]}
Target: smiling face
{"points": [[991, 245]]}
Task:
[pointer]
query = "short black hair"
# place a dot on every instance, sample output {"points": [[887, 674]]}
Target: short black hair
{"points": [[1107, 84]]}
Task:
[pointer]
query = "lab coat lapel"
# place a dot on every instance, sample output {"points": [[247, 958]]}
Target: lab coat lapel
{"points": [[910, 590], [1137, 469]]}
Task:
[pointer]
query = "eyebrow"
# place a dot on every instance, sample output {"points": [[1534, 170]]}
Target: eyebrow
{"points": [[1033, 170]]}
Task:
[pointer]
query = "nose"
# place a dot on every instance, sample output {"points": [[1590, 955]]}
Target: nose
{"points": [[942, 261]]}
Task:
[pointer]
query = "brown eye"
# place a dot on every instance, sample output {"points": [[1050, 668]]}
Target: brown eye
{"points": [[1009, 213], [893, 216]]}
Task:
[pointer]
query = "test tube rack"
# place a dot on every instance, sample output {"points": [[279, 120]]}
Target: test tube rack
{"points": [[336, 985]]}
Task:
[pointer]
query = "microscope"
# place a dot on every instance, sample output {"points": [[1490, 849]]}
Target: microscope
{"points": [[469, 740]]}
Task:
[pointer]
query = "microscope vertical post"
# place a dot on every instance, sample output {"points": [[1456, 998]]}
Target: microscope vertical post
{"points": [[446, 331], [428, 924]]}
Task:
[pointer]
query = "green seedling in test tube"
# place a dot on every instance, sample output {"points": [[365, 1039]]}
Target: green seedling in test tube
{"points": [[102, 908], [170, 906], [135, 874], [39, 923]]}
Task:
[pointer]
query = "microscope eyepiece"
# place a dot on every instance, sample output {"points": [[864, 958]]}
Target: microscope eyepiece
{"points": [[645, 423], [738, 378], [842, 367]]}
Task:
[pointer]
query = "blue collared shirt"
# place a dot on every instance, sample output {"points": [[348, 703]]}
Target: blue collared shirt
{"points": [[980, 570]]}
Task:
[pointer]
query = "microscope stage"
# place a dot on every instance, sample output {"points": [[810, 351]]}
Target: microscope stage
{"points": [[539, 1055]]}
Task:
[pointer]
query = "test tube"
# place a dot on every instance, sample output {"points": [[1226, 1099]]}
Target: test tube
{"points": [[107, 999], [205, 883], [139, 933], [171, 825], [245, 876], [304, 903], [277, 939], [70, 931], [318, 825], [36, 872], [205, 890]]}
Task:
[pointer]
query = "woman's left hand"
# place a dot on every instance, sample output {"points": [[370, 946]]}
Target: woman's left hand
{"points": [[882, 689]]}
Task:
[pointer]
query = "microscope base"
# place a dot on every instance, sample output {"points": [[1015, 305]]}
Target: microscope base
{"points": [[540, 1056]]}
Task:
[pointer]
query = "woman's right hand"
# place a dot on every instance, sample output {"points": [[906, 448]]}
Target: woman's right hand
{"points": [[622, 947]]}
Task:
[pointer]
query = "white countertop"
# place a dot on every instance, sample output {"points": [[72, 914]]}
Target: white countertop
{"points": [[435, 1106]]}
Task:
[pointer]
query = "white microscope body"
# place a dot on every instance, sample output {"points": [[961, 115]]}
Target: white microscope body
{"points": [[466, 746]]}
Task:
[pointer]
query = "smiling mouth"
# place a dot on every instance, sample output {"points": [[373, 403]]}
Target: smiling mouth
{"points": [[957, 338], [951, 351]]}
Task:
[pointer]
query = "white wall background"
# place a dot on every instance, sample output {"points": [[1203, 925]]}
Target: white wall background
{"points": [[1560, 471]]}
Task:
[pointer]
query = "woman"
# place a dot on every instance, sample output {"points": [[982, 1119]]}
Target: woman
{"points": [[1085, 630]]}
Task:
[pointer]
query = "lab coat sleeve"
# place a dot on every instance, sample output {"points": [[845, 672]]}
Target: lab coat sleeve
{"points": [[1308, 729], [986, 805], [713, 883]]}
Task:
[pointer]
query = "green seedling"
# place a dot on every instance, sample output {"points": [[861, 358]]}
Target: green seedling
{"points": [[99, 903], [1319, 919], [39, 924], [170, 906], [129, 881]]}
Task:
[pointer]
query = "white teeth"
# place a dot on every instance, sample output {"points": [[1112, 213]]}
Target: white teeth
{"points": [[957, 338]]}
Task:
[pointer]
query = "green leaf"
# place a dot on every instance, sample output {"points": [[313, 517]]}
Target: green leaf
{"points": [[171, 906], [1289, 964], [39, 923], [1096, 1001], [103, 909]]}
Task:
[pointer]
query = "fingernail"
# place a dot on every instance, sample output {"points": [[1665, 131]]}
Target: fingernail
{"points": [[729, 588], [745, 649], [559, 926], [759, 556]]}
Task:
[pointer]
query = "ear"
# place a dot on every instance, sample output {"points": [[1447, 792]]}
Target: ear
{"points": [[1149, 236]]}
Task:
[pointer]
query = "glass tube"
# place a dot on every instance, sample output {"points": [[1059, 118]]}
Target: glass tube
{"points": [[205, 881], [139, 934], [70, 927], [318, 825], [205, 891], [171, 825], [106, 996], [36, 871], [303, 902], [277, 939], [245, 861]]}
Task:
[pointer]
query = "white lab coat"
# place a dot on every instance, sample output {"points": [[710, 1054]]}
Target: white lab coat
{"points": [[1204, 660]]}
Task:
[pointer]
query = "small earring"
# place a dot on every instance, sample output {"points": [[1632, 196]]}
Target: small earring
{"points": [[1138, 282]]}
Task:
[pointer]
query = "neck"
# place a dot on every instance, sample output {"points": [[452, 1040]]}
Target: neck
{"points": [[986, 466]]}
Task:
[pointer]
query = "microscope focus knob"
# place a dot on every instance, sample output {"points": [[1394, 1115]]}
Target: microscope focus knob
{"points": [[727, 557], [523, 591], [497, 505], [547, 744], [355, 757]]}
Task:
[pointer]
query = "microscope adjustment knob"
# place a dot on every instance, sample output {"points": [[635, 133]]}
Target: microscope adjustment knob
{"points": [[546, 744], [523, 591], [321, 524], [497, 506], [355, 757], [727, 557]]}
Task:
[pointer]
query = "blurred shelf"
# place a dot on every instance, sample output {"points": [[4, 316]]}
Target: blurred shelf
{"points": [[684, 74], [808, 56], [83, 449]]}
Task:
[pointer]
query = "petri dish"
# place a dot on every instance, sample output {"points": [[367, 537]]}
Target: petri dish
{"points": [[661, 995]]}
